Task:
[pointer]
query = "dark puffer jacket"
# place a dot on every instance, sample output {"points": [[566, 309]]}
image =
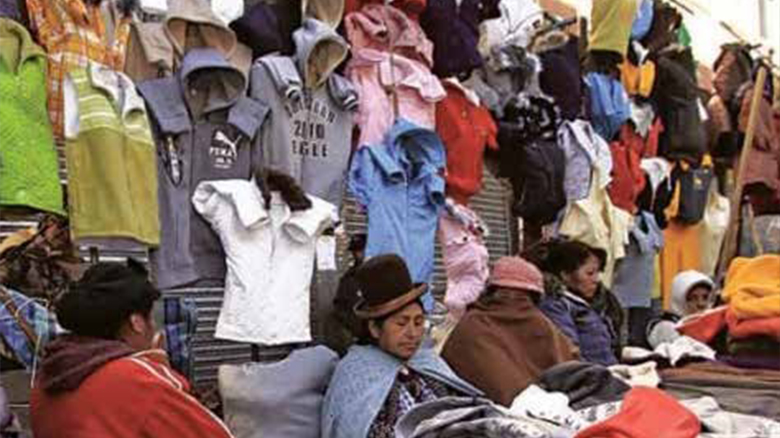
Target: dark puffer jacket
{"points": [[593, 326]]}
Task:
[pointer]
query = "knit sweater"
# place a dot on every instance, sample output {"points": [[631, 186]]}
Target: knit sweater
{"points": [[28, 160]]}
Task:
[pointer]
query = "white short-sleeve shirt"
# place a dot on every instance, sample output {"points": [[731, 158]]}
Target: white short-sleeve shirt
{"points": [[270, 260]]}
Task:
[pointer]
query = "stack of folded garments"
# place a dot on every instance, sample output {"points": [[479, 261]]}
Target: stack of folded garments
{"points": [[752, 292]]}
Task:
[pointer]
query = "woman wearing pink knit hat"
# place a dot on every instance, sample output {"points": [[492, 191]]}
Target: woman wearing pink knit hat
{"points": [[504, 342]]}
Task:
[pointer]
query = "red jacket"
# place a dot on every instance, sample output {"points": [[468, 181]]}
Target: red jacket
{"points": [[466, 129], [131, 397]]}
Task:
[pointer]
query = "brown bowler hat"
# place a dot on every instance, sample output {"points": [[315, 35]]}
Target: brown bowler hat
{"points": [[385, 286]]}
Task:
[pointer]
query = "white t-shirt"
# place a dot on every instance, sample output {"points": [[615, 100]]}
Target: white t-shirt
{"points": [[270, 260]]}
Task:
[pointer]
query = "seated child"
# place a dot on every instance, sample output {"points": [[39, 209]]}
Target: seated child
{"points": [[692, 293]]}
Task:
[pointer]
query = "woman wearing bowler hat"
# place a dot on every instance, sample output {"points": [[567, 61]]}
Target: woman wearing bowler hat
{"points": [[389, 372]]}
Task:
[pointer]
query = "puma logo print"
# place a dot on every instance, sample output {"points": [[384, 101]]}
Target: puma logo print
{"points": [[224, 150]]}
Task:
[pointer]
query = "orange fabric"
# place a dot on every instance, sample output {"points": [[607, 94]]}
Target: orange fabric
{"points": [[682, 251], [74, 33], [704, 326], [127, 398], [647, 413], [749, 328], [752, 287], [638, 80]]}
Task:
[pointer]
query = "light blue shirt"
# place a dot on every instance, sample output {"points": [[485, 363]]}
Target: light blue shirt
{"points": [[635, 273], [609, 104], [400, 184]]}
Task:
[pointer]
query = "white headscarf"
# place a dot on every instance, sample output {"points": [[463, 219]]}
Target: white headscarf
{"points": [[682, 284]]}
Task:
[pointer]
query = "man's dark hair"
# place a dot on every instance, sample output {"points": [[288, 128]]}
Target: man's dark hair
{"points": [[101, 301]]}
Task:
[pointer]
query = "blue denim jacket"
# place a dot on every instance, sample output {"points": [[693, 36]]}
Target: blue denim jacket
{"points": [[401, 186]]}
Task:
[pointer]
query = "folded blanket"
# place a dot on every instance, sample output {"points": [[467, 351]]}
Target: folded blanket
{"points": [[748, 328], [753, 287]]}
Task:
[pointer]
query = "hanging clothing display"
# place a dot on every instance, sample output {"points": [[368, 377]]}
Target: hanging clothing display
{"points": [[308, 132], [676, 97], [609, 103], [763, 165], [628, 179], [157, 49], [73, 32], [400, 185], [466, 128], [732, 69], [643, 117], [259, 28], [228, 10], [453, 26], [595, 221], [28, 171], [234, 146], [584, 150], [561, 77], [610, 25], [714, 226], [643, 20], [112, 185], [412, 8], [461, 235], [271, 260], [682, 252], [384, 78], [205, 130], [635, 272], [516, 25], [694, 191], [531, 158], [329, 12], [638, 80]]}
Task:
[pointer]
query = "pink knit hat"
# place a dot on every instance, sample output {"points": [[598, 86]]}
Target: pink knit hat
{"points": [[516, 273]]}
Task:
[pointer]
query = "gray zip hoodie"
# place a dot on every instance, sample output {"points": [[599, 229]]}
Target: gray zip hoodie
{"points": [[205, 129], [309, 129]]}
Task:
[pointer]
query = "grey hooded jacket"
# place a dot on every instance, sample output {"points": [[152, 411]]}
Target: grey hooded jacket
{"points": [[309, 129], [205, 129]]}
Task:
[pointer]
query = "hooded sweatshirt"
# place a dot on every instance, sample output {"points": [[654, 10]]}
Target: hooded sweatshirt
{"points": [[101, 388], [157, 49], [205, 129], [308, 133]]}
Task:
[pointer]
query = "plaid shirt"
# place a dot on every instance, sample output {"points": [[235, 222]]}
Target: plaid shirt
{"points": [[73, 34]]}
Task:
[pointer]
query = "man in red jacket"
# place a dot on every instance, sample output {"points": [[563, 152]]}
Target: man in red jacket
{"points": [[106, 378]]}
